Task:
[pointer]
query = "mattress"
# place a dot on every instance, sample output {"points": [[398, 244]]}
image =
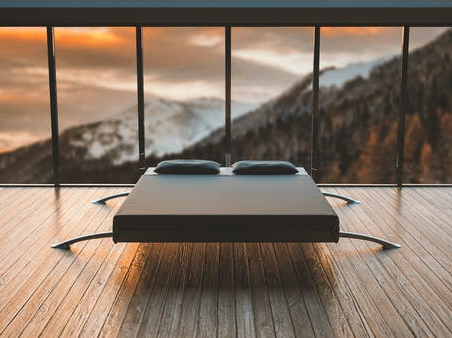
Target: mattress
{"points": [[225, 208]]}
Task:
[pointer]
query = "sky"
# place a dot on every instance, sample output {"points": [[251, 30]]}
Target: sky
{"points": [[96, 68]]}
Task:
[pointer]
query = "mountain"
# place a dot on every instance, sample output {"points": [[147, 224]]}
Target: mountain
{"points": [[338, 76], [170, 126], [357, 123], [358, 129]]}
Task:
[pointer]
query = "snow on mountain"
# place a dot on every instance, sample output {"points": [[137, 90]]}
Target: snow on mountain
{"points": [[170, 127], [338, 76]]}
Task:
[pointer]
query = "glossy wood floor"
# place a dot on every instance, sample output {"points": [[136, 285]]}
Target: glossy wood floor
{"points": [[352, 288]]}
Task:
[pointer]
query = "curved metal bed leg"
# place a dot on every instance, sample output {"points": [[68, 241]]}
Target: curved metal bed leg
{"points": [[109, 197], [67, 244], [386, 244], [342, 197]]}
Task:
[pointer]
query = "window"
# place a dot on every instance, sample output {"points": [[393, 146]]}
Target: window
{"points": [[25, 146], [359, 86], [271, 93], [96, 77], [184, 92], [428, 138]]}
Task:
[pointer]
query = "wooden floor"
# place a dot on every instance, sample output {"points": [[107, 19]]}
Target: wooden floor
{"points": [[352, 288]]}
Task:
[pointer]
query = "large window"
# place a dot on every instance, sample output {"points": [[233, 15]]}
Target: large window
{"points": [[359, 87], [96, 76], [271, 93], [428, 141], [184, 108], [25, 148], [184, 92]]}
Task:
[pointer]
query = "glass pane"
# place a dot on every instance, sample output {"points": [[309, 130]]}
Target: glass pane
{"points": [[184, 93], [96, 76], [359, 87], [428, 139], [25, 148], [271, 93]]}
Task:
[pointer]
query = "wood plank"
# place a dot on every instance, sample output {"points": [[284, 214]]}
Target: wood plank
{"points": [[80, 293], [439, 236], [29, 279], [64, 270], [399, 286], [364, 297], [171, 315], [29, 216], [263, 317], [415, 289], [93, 325], [11, 197], [143, 292], [187, 322], [352, 288], [319, 270], [282, 320], [387, 283], [244, 314], [342, 257], [11, 201], [64, 297], [352, 311], [79, 312], [294, 293], [122, 299], [178, 257], [37, 241], [226, 294], [208, 311], [314, 306], [36, 208], [419, 257]]}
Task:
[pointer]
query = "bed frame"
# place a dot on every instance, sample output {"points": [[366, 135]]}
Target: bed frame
{"points": [[226, 208]]}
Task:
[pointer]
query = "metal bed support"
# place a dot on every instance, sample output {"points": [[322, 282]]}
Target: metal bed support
{"points": [[67, 244], [349, 200], [109, 197], [386, 244]]}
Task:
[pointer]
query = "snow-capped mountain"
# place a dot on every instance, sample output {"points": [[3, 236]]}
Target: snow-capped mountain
{"points": [[338, 76], [170, 127]]}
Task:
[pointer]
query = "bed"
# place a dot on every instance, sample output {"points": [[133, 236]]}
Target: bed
{"points": [[225, 208]]}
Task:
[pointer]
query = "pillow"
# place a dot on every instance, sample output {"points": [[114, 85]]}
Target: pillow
{"points": [[264, 168], [187, 167]]}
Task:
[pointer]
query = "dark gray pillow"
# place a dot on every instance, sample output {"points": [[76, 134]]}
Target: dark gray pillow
{"points": [[264, 168], [188, 167]]}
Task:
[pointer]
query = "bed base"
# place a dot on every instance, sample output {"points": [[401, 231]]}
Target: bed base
{"points": [[386, 244], [349, 200]]}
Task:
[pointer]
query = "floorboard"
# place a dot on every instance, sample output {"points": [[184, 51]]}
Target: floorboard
{"points": [[345, 289]]}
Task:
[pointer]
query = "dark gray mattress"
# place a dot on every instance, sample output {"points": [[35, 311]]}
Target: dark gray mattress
{"points": [[225, 208]]}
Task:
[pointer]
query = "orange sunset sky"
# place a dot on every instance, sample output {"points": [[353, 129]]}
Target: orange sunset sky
{"points": [[96, 69]]}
